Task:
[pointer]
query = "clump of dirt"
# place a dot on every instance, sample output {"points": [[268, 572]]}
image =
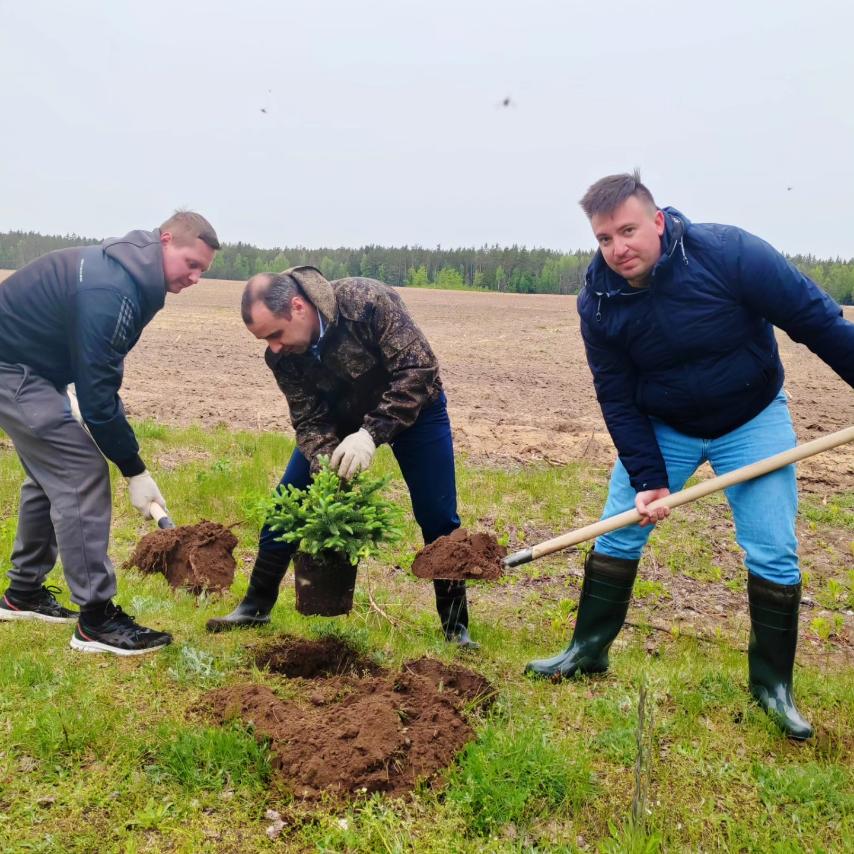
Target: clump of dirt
{"points": [[330, 656], [195, 557], [381, 733], [461, 555], [466, 685]]}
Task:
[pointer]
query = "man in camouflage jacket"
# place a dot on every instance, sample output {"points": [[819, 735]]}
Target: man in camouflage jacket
{"points": [[357, 372]]}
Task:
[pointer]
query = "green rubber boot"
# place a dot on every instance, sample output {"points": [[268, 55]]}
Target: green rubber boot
{"points": [[255, 607], [771, 653], [602, 607]]}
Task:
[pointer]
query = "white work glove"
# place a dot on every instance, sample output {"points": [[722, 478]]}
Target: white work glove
{"points": [[143, 490], [354, 454]]}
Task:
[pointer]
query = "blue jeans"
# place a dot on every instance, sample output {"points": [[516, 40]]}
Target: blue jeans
{"points": [[425, 454], [764, 509]]}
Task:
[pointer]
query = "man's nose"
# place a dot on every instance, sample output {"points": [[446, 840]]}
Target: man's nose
{"points": [[195, 275], [275, 346]]}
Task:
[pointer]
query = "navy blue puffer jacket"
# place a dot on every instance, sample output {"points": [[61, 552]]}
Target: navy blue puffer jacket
{"points": [[696, 348]]}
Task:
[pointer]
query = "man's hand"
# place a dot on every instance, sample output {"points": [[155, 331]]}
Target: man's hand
{"points": [[354, 454], [143, 490], [642, 502]]}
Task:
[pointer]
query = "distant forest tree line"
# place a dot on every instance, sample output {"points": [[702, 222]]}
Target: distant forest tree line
{"points": [[511, 269]]}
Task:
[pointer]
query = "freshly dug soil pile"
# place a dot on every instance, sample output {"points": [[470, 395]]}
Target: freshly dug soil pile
{"points": [[376, 734], [461, 555], [295, 656], [196, 557]]}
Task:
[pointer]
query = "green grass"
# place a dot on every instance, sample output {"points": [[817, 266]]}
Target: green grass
{"points": [[100, 754]]}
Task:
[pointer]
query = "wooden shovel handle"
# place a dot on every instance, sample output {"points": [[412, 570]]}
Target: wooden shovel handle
{"points": [[160, 516], [715, 484]]}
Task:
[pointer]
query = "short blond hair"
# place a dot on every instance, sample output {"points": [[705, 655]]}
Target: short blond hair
{"points": [[187, 226]]}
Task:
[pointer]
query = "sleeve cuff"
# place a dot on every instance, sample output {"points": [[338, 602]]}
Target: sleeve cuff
{"points": [[131, 466]]}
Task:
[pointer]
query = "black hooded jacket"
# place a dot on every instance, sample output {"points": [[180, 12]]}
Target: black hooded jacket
{"points": [[72, 315]]}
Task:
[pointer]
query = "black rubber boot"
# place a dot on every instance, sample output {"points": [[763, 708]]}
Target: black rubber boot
{"points": [[602, 607], [454, 613], [254, 609], [771, 653]]}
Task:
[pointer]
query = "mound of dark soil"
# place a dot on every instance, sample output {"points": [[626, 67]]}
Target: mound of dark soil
{"points": [[461, 555], [381, 733], [196, 557], [330, 656]]}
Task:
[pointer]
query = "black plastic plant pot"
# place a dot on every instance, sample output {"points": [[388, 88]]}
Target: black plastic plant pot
{"points": [[324, 584]]}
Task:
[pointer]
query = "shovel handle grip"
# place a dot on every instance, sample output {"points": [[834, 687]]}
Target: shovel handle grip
{"points": [[160, 516], [676, 499]]}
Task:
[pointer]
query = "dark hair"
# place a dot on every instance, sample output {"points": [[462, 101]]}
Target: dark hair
{"points": [[275, 290], [607, 194], [187, 226]]}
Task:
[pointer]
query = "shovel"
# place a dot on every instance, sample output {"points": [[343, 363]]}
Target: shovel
{"points": [[630, 517]]}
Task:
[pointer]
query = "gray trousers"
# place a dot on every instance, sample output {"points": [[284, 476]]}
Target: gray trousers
{"points": [[65, 499]]}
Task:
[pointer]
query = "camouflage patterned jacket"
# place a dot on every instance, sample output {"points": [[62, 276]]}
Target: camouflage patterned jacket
{"points": [[375, 368]]}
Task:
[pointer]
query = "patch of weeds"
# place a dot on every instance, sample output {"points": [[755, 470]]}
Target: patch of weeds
{"points": [[714, 690], [838, 512], [356, 637], [517, 776], [652, 590], [153, 815], [8, 529], [806, 791], [617, 744], [629, 839], [559, 613], [150, 430], [375, 825], [822, 627], [193, 665], [211, 758], [835, 595], [142, 604], [686, 554], [65, 726], [26, 670]]}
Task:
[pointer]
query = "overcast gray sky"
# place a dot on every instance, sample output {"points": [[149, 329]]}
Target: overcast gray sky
{"points": [[384, 122]]}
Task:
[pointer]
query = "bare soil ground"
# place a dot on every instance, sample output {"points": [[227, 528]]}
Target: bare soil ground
{"points": [[518, 384], [355, 734]]}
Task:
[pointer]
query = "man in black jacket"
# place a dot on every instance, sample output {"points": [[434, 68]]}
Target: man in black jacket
{"points": [[357, 373], [678, 325], [71, 316]]}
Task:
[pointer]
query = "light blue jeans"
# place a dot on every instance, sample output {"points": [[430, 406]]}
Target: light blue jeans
{"points": [[764, 509]]}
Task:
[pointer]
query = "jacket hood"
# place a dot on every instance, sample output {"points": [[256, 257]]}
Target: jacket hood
{"points": [[602, 279], [317, 288], [141, 255]]}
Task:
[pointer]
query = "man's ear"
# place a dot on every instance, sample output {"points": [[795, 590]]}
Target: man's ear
{"points": [[165, 238], [659, 222]]}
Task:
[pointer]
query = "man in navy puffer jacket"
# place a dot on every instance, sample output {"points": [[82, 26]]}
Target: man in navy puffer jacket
{"points": [[71, 316], [678, 324]]}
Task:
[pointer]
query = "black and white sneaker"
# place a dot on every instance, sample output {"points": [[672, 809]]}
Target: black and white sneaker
{"points": [[39, 605], [119, 634]]}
